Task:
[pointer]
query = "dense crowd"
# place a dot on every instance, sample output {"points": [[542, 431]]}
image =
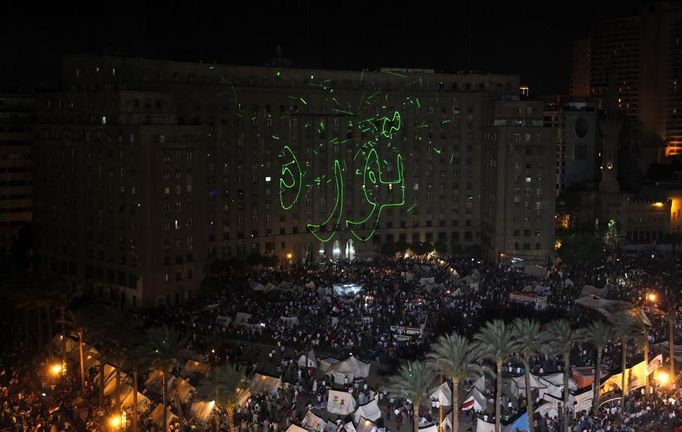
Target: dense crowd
{"points": [[431, 297]]}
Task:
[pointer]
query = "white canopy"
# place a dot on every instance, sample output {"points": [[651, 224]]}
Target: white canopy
{"points": [[365, 425], [370, 411], [182, 389], [339, 402], [353, 366], [154, 381], [194, 366], [443, 394], [482, 426], [313, 421], [143, 402], [431, 428], [475, 400], [518, 384], [202, 410], [265, 384], [157, 415], [309, 358]]}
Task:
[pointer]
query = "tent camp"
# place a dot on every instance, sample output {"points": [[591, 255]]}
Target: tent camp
{"points": [[370, 411], [353, 366], [157, 416], [443, 394], [518, 384], [313, 421], [265, 384], [196, 367], [309, 358], [339, 402], [202, 410]]}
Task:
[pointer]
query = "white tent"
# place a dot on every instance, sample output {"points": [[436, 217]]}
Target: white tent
{"points": [[241, 318], [309, 358], [341, 403], [431, 428], [353, 366], [196, 367], [154, 381], [265, 384], [143, 402], [202, 410], [157, 415], [443, 394], [183, 389], [365, 425], [475, 400], [314, 422], [289, 321], [327, 363], [294, 428], [349, 427], [482, 426], [518, 384], [340, 378], [370, 411]]}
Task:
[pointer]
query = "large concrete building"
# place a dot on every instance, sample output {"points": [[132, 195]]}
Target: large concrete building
{"points": [[643, 54], [149, 170], [16, 118]]}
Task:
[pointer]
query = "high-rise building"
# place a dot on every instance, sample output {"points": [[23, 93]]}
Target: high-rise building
{"points": [[644, 55], [149, 170], [16, 119], [580, 68], [576, 125]]}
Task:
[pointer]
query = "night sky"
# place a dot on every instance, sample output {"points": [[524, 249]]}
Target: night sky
{"points": [[533, 39]]}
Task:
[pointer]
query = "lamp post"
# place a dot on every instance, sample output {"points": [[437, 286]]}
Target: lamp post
{"points": [[289, 257]]}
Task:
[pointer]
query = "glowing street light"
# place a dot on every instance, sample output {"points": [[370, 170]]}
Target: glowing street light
{"points": [[652, 297], [56, 369], [662, 378], [116, 422]]}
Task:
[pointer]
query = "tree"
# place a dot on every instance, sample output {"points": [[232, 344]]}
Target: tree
{"points": [[598, 334], [76, 322], [454, 357], [671, 317], [223, 385], [642, 341], [495, 342], [441, 246], [527, 335], [623, 331], [560, 340], [413, 381], [162, 349]]}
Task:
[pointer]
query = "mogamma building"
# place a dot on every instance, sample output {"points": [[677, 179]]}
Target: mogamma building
{"points": [[147, 170]]}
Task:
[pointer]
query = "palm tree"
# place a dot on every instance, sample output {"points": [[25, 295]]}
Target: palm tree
{"points": [[413, 380], [496, 343], [454, 356], [623, 330], [598, 334], [223, 385], [76, 322], [560, 339], [136, 361], [162, 349], [527, 335], [671, 317], [641, 333]]}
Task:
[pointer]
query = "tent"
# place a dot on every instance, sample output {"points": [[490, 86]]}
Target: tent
{"points": [[143, 402], [610, 307], [482, 426], [339, 402], [326, 364], [353, 366], [341, 378], [157, 415], [314, 422], [365, 425], [369, 411], [202, 410], [430, 428], [518, 384], [443, 394], [265, 384], [153, 382], [589, 290], [520, 424], [583, 401], [289, 321], [241, 318], [183, 389], [196, 367], [309, 358], [475, 400], [294, 428]]}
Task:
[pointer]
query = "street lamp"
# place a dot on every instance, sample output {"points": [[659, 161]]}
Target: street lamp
{"points": [[57, 369], [651, 297], [117, 422], [662, 378]]}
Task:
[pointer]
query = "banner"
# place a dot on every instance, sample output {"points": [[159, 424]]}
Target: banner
{"points": [[583, 401], [656, 363]]}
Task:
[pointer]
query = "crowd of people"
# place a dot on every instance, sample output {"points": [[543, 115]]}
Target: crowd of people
{"points": [[402, 306]]}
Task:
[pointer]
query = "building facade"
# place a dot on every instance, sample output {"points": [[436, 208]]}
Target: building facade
{"points": [[16, 118], [167, 166]]}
